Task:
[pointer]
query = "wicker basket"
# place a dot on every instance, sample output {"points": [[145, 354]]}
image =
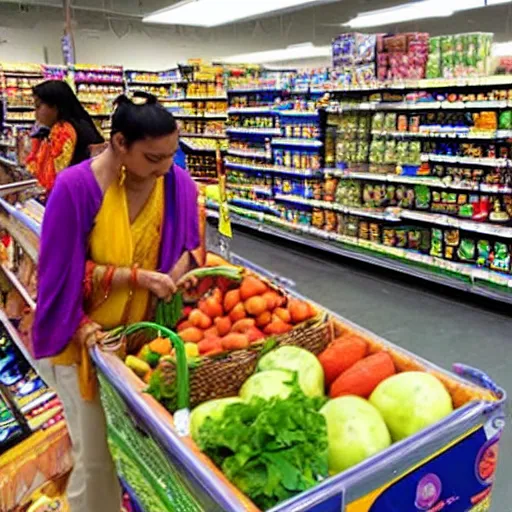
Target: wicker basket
{"points": [[223, 375]]}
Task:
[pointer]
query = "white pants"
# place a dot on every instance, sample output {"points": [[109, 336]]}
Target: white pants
{"points": [[93, 485]]}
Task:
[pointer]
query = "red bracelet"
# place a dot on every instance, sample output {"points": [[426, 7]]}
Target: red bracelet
{"points": [[88, 279], [107, 280], [134, 277]]}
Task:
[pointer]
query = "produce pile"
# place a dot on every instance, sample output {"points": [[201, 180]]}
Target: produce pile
{"points": [[228, 316], [299, 418]]}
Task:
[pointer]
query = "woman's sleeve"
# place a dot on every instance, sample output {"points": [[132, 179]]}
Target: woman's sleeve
{"points": [[61, 270], [63, 144]]}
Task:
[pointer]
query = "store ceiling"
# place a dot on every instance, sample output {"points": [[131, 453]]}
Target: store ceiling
{"points": [[319, 24]]}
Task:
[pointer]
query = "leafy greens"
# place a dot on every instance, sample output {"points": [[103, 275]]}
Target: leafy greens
{"points": [[271, 450]]}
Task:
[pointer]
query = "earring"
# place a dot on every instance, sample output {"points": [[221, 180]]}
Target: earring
{"points": [[122, 175]]}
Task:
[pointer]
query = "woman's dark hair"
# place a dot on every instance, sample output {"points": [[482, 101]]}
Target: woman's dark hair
{"points": [[138, 121], [59, 94]]}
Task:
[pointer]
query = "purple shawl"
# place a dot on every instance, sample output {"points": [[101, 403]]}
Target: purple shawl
{"points": [[69, 218]]}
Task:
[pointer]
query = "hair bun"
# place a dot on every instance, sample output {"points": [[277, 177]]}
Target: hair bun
{"points": [[122, 99], [151, 99]]}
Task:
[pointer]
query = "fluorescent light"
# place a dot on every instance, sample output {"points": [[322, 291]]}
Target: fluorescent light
{"points": [[502, 49], [405, 12], [293, 52], [418, 10], [210, 13]]}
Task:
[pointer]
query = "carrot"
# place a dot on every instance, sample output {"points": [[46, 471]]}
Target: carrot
{"points": [[223, 325], [198, 319], [254, 334], [211, 307], [277, 327], [231, 299], [192, 335], [235, 341], [184, 325], [212, 332], [300, 311], [147, 377], [217, 295], [273, 299], [264, 319], [362, 378], [283, 314], [161, 346], [243, 325], [341, 355], [252, 286], [208, 345], [237, 313], [255, 306]]}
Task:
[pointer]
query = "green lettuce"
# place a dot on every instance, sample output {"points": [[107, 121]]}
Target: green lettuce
{"points": [[271, 450]]}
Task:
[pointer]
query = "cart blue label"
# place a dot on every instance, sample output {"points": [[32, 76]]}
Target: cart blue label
{"points": [[457, 479]]}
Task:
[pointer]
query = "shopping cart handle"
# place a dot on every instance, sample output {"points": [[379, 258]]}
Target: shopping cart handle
{"points": [[482, 379]]}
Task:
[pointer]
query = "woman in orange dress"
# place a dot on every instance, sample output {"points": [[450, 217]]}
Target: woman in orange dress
{"points": [[66, 133]]}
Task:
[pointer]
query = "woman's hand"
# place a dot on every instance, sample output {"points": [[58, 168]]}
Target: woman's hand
{"points": [[157, 283]]}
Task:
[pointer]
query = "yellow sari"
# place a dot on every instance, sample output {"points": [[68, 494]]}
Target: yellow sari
{"points": [[114, 241]]}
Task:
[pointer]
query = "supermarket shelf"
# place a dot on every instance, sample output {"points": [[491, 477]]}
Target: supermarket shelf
{"points": [[254, 90], [199, 116], [13, 279], [467, 160], [299, 113], [7, 161], [501, 134], [12, 226], [252, 110], [205, 98], [16, 337], [156, 84], [304, 173], [5, 144], [328, 205], [10, 120], [305, 143], [266, 191], [204, 135], [247, 154], [429, 181], [11, 188], [452, 222], [49, 395], [421, 105], [20, 107], [349, 248], [430, 83], [264, 132]]}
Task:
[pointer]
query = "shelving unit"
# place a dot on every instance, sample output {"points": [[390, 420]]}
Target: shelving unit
{"points": [[424, 182]]}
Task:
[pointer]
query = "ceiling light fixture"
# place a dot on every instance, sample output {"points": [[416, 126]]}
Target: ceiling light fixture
{"points": [[418, 10], [211, 13], [405, 12], [502, 49], [293, 52]]}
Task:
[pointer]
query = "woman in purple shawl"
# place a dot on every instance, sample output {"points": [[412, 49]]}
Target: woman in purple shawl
{"points": [[118, 230]]}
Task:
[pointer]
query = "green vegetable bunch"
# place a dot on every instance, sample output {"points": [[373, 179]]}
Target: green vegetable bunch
{"points": [[170, 313], [271, 450]]}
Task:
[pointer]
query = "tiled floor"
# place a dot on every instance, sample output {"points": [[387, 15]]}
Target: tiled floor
{"points": [[432, 323]]}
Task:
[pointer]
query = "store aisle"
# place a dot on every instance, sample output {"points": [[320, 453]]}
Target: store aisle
{"points": [[433, 324]]}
